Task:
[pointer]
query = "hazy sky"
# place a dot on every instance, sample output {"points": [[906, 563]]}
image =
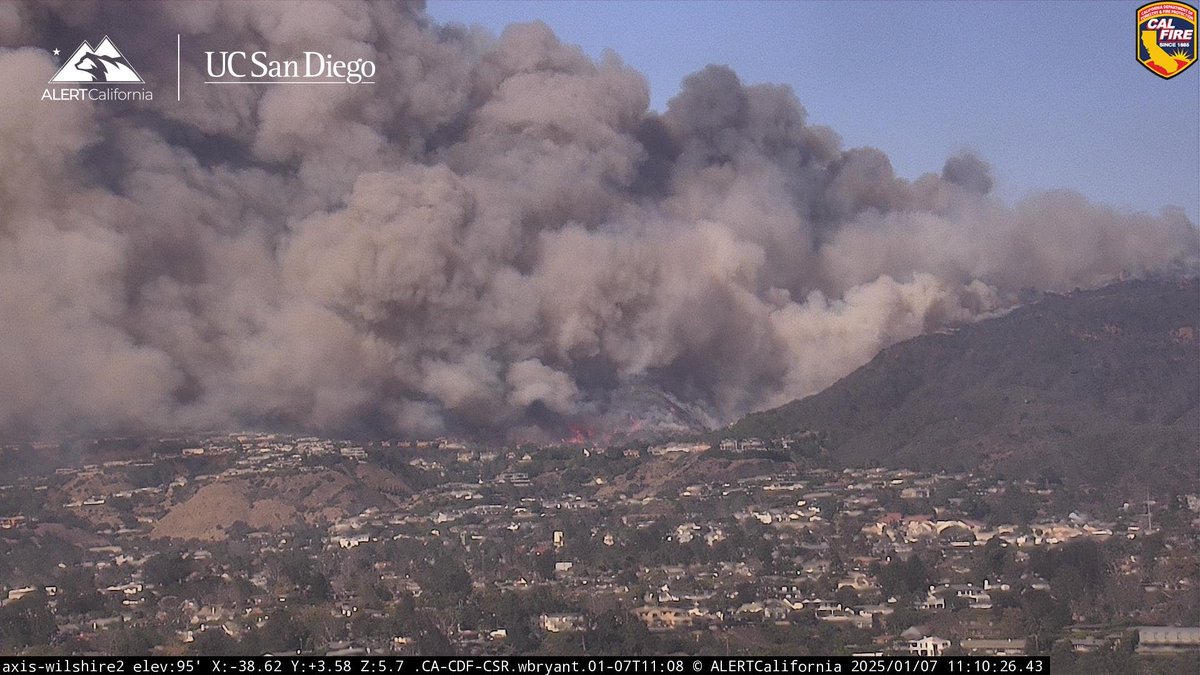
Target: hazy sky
{"points": [[1048, 92]]}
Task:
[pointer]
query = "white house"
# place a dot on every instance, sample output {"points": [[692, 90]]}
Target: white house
{"points": [[928, 646]]}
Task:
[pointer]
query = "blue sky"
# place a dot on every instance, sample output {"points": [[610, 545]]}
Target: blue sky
{"points": [[1048, 92]]}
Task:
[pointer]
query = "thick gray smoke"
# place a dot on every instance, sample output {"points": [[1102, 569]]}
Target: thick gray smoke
{"points": [[498, 235]]}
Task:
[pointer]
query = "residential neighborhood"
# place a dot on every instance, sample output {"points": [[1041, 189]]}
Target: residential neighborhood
{"points": [[263, 543]]}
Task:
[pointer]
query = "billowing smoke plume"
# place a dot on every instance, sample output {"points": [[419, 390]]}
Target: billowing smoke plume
{"points": [[497, 235]]}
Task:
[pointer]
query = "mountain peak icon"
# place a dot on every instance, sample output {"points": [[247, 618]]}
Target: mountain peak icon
{"points": [[104, 64]]}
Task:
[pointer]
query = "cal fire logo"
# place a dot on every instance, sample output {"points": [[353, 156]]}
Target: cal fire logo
{"points": [[1166, 43], [105, 63]]}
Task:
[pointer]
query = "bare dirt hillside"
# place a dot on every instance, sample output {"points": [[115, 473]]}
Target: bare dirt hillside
{"points": [[276, 502]]}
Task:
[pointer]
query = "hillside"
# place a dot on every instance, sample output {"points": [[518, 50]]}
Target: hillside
{"points": [[276, 502], [1093, 387]]}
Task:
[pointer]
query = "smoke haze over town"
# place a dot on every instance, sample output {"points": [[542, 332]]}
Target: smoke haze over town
{"points": [[498, 236]]}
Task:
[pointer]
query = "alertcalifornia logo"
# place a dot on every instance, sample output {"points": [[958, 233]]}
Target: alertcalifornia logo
{"points": [[1166, 37], [103, 64]]}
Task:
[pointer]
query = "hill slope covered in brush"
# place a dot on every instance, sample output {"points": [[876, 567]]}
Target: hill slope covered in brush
{"points": [[1095, 387]]}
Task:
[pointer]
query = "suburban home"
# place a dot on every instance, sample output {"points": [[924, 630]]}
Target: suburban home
{"points": [[928, 646], [561, 622], [994, 647]]}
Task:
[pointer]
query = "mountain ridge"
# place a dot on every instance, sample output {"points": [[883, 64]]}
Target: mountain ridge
{"points": [[1092, 386]]}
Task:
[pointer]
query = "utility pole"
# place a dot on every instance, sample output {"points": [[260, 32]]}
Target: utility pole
{"points": [[1149, 515]]}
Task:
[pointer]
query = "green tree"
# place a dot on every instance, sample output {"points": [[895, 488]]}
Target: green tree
{"points": [[26, 622], [993, 559], [300, 570], [167, 570], [282, 633], [902, 578], [615, 632], [214, 642], [1062, 657], [77, 593], [131, 640], [1044, 616], [543, 565], [445, 579], [846, 596]]}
